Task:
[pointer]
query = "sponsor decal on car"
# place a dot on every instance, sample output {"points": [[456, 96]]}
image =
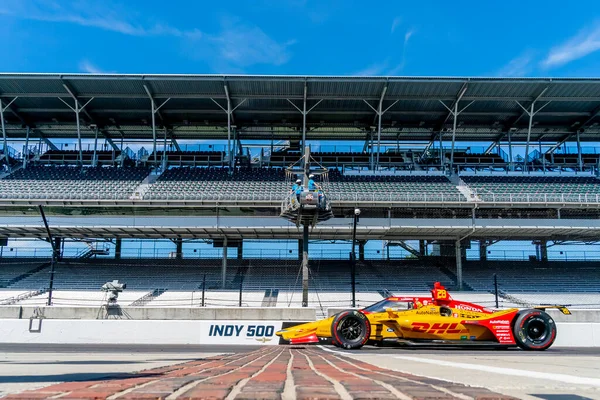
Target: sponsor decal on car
{"points": [[437, 328], [500, 321]]}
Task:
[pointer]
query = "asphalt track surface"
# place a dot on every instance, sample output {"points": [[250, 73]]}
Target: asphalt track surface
{"points": [[269, 372]]}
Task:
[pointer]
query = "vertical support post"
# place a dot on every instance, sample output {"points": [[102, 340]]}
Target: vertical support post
{"points": [[526, 168], [482, 250], [5, 144], [179, 248], [579, 157], [80, 155], [203, 288], [543, 250], [241, 290], [164, 155], [26, 149], [224, 265], [305, 266], [240, 250], [496, 289], [154, 131], [511, 166], [455, 115], [95, 157], [380, 114], [442, 164], [118, 246], [361, 250], [300, 247], [229, 133], [459, 271]]}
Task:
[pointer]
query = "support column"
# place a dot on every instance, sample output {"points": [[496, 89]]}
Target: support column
{"points": [[543, 250], [164, 155], [229, 133], [442, 165], [240, 250], [531, 114], [5, 144], [422, 248], [483, 250], [179, 248], [455, 114], [300, 247], [361, 250], [224, 265], [95, 157], [511, 165], [305, 267], [459, 271], [118, 245], [154, 132], [26, 149], [80, 155], [579, 157], [58, 246]]}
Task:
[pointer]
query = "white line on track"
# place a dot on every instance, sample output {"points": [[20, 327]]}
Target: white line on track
{"points": [[507, 371], [496, 370]]}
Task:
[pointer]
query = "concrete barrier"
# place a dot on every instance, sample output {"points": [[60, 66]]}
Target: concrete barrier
{"points": [[148, 313]]}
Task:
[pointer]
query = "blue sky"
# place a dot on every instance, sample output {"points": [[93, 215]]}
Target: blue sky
{"points": [[465, 38]]}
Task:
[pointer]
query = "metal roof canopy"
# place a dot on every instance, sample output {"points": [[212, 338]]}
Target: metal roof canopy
{"points": [[266, 107], [277, 228]]}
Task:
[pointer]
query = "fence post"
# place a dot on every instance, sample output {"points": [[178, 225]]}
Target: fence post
{"points": [[241, 284], [203, 288], [496, 289]]}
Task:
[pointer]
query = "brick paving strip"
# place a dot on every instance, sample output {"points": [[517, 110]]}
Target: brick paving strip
{"points": [[279, 372]]}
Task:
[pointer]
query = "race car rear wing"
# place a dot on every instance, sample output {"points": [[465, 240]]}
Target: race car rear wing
{"points": [[562, 309]]}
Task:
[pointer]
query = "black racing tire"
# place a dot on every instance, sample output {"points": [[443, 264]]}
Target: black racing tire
{"points": [[534, 330], [350, 329]]}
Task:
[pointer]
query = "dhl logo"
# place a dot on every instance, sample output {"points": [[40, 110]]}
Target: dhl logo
{"points": [[424, 327]]}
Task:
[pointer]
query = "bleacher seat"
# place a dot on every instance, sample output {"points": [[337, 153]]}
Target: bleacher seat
{"points": [[69, 182]]}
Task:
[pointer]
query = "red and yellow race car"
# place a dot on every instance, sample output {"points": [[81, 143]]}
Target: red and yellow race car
{"points": [[435, 319]]}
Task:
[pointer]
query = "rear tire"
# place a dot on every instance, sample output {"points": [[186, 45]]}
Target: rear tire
{"points": [[350, 329], [534, 330]]}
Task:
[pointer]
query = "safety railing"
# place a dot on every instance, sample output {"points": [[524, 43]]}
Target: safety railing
{"points": [[277, 197]]}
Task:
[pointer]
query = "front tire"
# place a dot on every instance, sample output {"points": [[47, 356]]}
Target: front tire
{"points": [[350, 329], [534, 330]]}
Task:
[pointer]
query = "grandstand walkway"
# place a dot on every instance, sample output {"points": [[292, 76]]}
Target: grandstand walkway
{"points": [[271, 372]]}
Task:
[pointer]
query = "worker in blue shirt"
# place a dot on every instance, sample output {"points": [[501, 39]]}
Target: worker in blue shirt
{"points": [[297, 188], [312, 186]]}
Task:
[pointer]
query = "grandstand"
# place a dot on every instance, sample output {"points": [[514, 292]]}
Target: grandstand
{"points": [[499, 173]]}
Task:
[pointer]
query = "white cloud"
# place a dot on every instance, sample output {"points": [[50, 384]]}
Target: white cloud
{"points": [[90, 14], [237, 45], [243, 45], [518, 67], [408, 35], [89, 68], [586, 42], [395, 23], [373, 70]]}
